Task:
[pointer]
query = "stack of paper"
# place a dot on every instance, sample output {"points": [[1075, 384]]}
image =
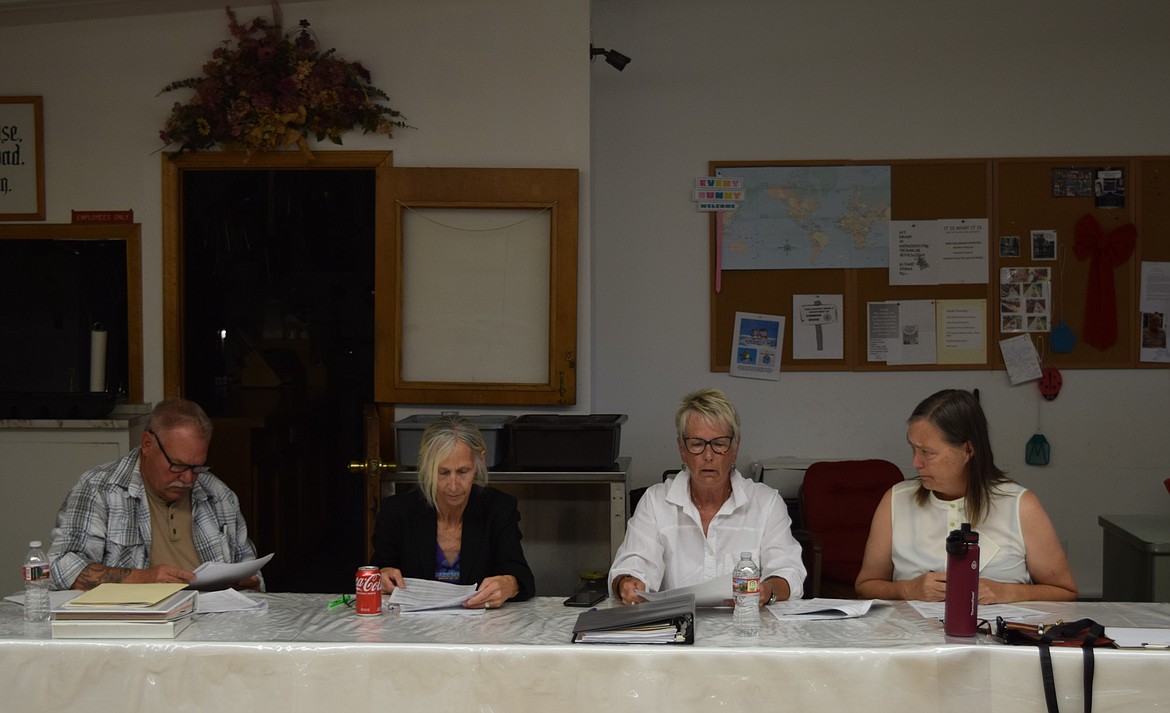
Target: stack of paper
{"points": [[122, 611], [428, 596]]}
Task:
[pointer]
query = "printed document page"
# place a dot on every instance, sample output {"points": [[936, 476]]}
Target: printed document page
{"points": [[424, 595], [712, 593], [820, 608], [221, 575]]}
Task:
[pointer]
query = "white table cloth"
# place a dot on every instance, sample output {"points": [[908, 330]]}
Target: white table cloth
{"points": [[300, 656]]}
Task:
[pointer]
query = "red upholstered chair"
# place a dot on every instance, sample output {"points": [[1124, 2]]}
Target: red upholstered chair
{"points": [[837, 502]]}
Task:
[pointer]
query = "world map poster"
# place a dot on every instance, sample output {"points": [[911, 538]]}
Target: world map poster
{"points": [[807, 217]]}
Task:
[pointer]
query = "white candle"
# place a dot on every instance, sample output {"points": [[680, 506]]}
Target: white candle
{"points": [[97, 358]]}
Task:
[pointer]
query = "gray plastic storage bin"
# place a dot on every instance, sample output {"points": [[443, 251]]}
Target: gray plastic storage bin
{"points": [[408, 437]]}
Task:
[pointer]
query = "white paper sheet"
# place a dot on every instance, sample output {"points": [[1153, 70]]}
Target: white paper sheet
{"points": [[937, 610], [902, 332], [1133, 638], [818, 327], [819, 608], [226, 600], [712, 593], [1020, 358], [220, 575], [938, 252], [1155, 311], [56, 598], [915, 341]]}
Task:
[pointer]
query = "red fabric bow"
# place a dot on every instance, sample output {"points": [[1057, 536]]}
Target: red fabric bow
{"points": [[1107, 252]]}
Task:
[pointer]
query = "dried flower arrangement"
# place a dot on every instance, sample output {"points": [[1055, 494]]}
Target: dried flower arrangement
{"points": [[266, 89]]}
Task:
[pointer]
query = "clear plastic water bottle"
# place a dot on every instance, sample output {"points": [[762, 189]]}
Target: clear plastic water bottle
{"points": [[745, 587], [36, 584]]}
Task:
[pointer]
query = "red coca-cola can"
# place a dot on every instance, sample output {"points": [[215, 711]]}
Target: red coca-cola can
{"points": [[369, 591]]}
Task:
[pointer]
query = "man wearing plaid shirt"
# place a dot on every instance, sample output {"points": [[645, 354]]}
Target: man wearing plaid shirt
{"points": [[155, 514]]}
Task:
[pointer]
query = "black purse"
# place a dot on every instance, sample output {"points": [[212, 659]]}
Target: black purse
{"points": [[1083, 633]]}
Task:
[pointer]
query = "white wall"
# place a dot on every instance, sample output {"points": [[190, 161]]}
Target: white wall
{"points": [[502, 83], [810, 79]]}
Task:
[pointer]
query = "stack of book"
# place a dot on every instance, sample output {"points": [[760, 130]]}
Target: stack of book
{"points": [[125, 611]]}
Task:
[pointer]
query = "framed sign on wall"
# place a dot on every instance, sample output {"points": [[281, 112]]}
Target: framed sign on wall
{"points": [[22, 159]]}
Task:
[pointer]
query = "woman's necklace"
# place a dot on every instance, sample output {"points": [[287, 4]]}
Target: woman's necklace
{"points": [[714, 506]]}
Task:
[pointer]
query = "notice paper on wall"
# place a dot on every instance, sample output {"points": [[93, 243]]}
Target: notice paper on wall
{"points": [[756, 345], [962, 331], [901, 332], [817, 331], [938, 252], [1155, 308], [1020, 358]]}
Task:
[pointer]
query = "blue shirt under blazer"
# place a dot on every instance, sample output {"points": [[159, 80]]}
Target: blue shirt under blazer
{"points": [[408, 528]]}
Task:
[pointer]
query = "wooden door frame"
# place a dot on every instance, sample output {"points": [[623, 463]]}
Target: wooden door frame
{"points": [[173, 167], [131, 235], [378, 425]]}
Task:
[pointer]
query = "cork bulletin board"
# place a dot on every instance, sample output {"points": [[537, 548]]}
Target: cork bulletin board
{"points": [[1019, 197]]}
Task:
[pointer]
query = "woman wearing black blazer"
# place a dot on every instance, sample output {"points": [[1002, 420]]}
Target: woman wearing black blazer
{"points": [[452, 527]]}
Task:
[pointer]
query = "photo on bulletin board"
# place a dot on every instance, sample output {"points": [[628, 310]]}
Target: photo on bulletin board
{"points": [[1043, 244], [1009, 246], [1072, 182], [1153, 330], [1025, 299], [1109, 188], [758, 342], [22, 159]]}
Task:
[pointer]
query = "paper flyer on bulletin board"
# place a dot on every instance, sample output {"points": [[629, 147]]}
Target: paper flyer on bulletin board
{"points": [[817, 331], [938, 252], [756, 346], [1020, 359], [962, 331], [901, 332], [1155, 307]]}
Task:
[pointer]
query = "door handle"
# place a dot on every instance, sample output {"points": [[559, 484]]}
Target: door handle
{"points": [[370, 468]]}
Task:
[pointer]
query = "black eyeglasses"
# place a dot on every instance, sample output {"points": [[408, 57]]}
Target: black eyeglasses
{"points": [[719, 446], [178, 467]]}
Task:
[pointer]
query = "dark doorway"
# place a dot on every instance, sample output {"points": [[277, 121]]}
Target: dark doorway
{"points": [[278, 334]]}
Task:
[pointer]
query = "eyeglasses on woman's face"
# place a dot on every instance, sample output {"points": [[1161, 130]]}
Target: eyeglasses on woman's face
{"points": [[719, 445]]}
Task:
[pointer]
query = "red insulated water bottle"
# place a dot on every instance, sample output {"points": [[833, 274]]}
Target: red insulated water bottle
{"points": [[962, 600]]}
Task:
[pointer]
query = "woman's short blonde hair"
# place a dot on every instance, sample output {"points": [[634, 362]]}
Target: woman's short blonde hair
{"points": [[438, 442], [710, 404]]}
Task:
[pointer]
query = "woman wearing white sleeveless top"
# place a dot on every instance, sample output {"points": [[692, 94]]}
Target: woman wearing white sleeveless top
{"points": [[905, 558]]}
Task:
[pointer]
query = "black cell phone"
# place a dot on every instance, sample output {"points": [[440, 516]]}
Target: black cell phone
{"points": [[584, 599]]}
